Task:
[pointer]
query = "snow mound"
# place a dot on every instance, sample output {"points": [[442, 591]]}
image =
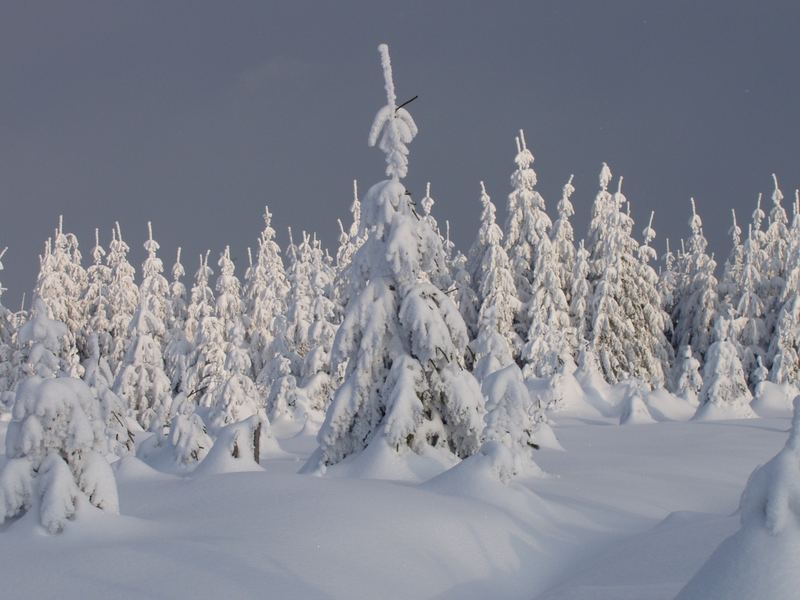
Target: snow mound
{"points": [[379, 461], [665, 406], [130, 468], [773, 400], [634, 410], [721, 412], [546, 438], [760, 560], [234, 450]]}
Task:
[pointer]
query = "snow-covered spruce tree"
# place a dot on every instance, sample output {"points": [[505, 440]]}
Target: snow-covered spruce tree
{"points": [[97, 318], [750, 326], [201, 301], [403, 339], [317, 378], [299, 301], [8, 330], [464, 295], [229, 294], [45, 345], [264, 295], [648, 316], [56, 446], [205, 370], [784, 349], [775, 252], [98, 376], [551, 338], [176, 346], [154, 285], [697, 306], [563, 239], [527, 223], [236, 398], [62, 282], [628, 324], [496, 293], [141, 379], [687, 381], [729, 290], [580, 297], [724, 394], [349, 279], [123, 296], [235, 395], [758, 234], [668, 278], [440, 251]]}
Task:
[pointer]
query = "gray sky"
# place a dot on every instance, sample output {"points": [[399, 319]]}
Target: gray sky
{"points": [[196, 114]]}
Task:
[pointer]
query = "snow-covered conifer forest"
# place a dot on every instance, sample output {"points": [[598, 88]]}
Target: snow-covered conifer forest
{"points": [[548, 413]]}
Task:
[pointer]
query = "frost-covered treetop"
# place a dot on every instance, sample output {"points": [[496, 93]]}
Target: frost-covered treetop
{"points": [[605, 176], [393, 127], [490, 232]]}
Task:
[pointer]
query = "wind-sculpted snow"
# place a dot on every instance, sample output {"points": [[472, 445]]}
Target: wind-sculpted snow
{"points": [[760, 560]]}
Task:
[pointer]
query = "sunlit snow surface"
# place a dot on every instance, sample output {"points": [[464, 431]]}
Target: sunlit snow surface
{"points": [[626, 512]]}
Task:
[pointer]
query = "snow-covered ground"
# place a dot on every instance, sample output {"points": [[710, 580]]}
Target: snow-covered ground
{"points": [[627, 512]]}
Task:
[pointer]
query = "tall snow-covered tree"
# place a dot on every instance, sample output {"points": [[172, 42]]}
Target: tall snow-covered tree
{"points": [[750, 325], [628, 324], [123, 295], [141, 380], [8, 330], [300, 299], [580, 297], [201, 302], [348, 283], [236, 398], [697, 306], [776, 263], [438, 250], [205, 371], [403, 339], [154, 285], [551, 338], [527, 223], [563, 238], [316, 375], [464, 293], [496, 339], [668, 280], [96, 301], [176, 346], [61, 283], [229, 294], [264, 295], [784, 349], [732, 272]]}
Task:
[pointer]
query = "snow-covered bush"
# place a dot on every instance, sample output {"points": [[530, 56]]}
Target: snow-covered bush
{"points": [[512, 418], [56, 445], [45, 345], [687, 381], [724, 394]]}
